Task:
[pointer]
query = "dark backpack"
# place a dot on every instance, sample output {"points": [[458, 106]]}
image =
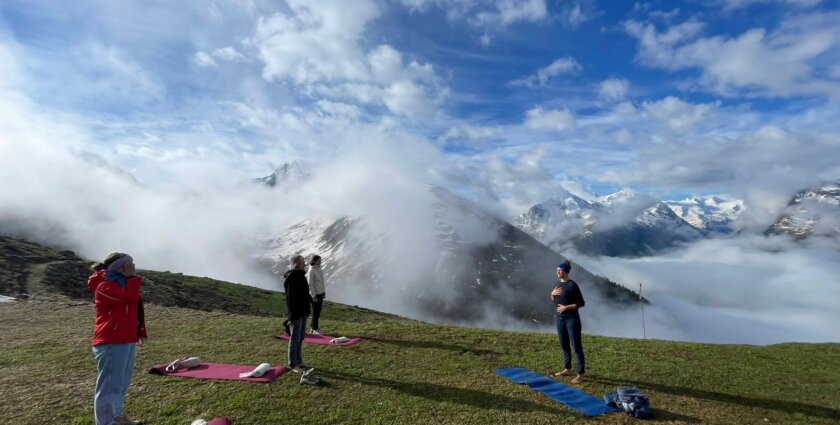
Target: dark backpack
{"points": [[630, 400]]}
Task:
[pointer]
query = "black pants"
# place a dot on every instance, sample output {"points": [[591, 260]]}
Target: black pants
{"points": [[316, 310]]}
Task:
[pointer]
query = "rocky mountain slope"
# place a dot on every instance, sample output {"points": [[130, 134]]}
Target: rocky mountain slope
{"points": [[812, 212], [481, 269]]}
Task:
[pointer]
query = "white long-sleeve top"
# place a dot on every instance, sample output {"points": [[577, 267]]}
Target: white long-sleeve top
{"points": [[317, 284]]}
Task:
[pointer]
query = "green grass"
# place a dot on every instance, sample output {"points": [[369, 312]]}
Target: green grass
{"points": [[404, 371]]}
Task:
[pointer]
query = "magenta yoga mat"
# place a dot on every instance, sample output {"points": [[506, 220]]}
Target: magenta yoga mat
{"points": [[323, 339], [228, 372]]}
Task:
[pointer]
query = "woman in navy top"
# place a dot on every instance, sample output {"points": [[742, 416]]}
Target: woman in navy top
{"points": [[568, 300]]}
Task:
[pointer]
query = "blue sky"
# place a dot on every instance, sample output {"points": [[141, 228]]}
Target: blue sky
{"points": [[517, 97]]}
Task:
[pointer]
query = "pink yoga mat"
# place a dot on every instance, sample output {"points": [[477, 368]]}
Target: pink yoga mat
{"points": [[324, 340], [220, 421], [220, 371]]}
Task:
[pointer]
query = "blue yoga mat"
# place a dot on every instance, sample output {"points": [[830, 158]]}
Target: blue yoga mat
{"points": [[572, 397]]}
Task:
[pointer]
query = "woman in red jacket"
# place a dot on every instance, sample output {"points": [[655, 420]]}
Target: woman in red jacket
{"points": [[120, 328]]}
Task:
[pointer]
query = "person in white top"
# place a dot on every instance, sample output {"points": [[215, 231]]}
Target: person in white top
{"points": [[317, 291]]}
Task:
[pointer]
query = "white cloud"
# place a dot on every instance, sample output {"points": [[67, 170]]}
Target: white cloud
{"points": [[614, 89], [228, 54], [511, 11], [778, 63], [386, 63], [408, 98], [765, 167], [678, 114], [655, 48], [316, 42], [575, 14], [203, 59], [491, 15], [549, 119], [625, 108], [111, 72], [319, 48], [465, 133], [561, 66], [725, 290], [340, 109], [740, 4]]}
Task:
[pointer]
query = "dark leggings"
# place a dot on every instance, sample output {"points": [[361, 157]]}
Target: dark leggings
{"points": [[316, 310], [568, 328]]}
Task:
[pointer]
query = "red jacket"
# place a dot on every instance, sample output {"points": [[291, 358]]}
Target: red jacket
{"points": [[119, 311]]}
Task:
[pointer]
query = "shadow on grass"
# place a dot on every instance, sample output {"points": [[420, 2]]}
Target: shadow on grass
{"points": [[442, 393], [435, 345], [764, 403], [659, 415]]}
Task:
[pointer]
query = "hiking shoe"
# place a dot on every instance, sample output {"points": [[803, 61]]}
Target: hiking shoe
{"points": [[123, 420], [315, 332], [309, 379], [302, 369]]}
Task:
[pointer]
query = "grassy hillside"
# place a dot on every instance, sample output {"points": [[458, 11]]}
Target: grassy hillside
{"points": [[32, 271], [403, 372]]}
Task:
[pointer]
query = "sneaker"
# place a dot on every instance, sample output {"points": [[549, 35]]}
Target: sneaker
{"points": [[309, 379], [315, 332], [302, 368]]}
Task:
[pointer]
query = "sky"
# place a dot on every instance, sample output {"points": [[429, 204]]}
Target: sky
{"points": [[732, 96], [140, 124]]}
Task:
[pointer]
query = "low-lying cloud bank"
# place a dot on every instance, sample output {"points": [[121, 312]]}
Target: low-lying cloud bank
{"points": [[748, 289]]}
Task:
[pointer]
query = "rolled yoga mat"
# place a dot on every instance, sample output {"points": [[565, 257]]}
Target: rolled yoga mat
{"points": [[228, 372], [572, 397]]}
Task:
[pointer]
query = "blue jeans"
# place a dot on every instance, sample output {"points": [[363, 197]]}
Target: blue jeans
{"points": [[115, 363], [569, 328], [297, 328]]}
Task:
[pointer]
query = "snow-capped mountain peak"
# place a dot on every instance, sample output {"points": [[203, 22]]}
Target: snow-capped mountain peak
{"points": [[286, 174], [811, 212], [627, 223], [564, 208], [714, 213], [620, 196]]}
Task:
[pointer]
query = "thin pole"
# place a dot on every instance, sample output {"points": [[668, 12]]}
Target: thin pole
{"points": [[644, 331]]}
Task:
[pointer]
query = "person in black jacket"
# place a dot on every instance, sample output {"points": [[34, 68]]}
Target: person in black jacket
{"points": [[568, 300], [297, 307]]}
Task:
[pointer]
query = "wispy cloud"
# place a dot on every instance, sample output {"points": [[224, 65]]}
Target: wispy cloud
{"points": [[614, 88], [781, 62], [561, 66], [741, 4], [678, 114], [549, 119]]}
